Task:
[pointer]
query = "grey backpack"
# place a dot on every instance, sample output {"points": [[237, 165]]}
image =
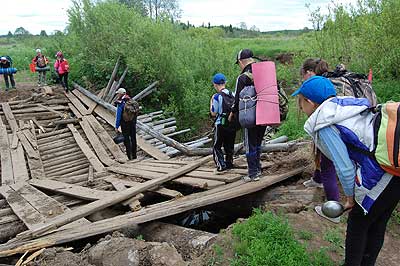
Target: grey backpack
{"points": [[247, 107]]}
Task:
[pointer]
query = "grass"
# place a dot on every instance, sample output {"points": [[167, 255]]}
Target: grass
{"points": [[218, 259], [335, 237], [267, 239]]}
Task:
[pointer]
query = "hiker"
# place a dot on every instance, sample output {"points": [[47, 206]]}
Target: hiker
{"points": [[252, 136], [62, 68], [6, 62], [41, 63], [127, 112], [224, 132], [343, 130], [324, 174]]}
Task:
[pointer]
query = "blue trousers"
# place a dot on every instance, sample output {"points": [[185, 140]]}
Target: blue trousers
{"points": [[252, 142]]}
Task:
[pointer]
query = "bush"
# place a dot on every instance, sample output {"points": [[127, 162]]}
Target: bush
{"points": [[266, 239]]}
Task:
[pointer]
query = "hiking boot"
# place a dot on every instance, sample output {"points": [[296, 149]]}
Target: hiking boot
{"points": [[312, 183], [318, 210]]}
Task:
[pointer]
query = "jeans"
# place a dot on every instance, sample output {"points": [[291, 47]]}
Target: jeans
{"points": [[252, 141]]}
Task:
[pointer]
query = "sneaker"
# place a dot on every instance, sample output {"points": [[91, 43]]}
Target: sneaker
{"points": [[312, 183], [220, 170], [256, 177], [318, 210], [246, 178]]}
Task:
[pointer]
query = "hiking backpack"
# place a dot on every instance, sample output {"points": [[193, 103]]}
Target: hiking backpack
{"points": [[351, 84], [8, 59], [227, 103], [283, 99], [387, 137], [131, 110], [41, 61]]}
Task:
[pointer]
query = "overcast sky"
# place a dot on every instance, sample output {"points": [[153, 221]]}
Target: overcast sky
{"points": [[267, 15]]}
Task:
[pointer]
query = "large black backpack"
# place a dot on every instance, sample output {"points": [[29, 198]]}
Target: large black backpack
{"points": [[227, 103], [352, 84]]}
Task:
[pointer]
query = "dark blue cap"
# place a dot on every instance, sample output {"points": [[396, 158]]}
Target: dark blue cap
{"points": [[219, 78], [316, 89]]}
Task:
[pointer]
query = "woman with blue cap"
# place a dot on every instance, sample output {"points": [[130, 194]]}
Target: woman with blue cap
{"points": [[336, 124]]}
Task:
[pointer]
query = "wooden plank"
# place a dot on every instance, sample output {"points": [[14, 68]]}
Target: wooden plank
{"points": [[106, 139], [109, 201], [21, 207], [30, 151], [94, 161], [51, 110], [78, 105], [154, 212], [20, 171], [133, 203], [72, 190], [86, 100], [74, 111], [9, 116], [96, 143], [7, 175], [161, 190]]}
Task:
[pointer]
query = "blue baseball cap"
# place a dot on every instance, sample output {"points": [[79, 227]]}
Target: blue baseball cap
{"points": [[316, 89], [219, 78]]}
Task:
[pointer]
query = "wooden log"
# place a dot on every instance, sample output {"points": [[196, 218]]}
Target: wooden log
{"points": [[152, 87], [63, 166], [94, 161], [109, 201], [154, 212], [61, 153], [77, 172], [54, 138], [112, 78], [65, 121], [11, 229], [58, 148], [49, 134], [71, 169], [53, 110], [64, 159], [111, 92]]}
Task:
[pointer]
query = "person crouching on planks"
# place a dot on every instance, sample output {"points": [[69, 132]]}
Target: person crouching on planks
{"points": [[224, 132], [337, 125], [127, 112]]}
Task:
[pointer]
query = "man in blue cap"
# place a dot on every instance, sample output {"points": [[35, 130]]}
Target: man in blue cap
{"points": [[224, 131]]}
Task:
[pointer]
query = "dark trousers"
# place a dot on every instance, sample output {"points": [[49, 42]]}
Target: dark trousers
{"points": [[223, 138], [252, 142], [129, 133], [365, 233], [327, 176], [64, 80], [11, 76]]}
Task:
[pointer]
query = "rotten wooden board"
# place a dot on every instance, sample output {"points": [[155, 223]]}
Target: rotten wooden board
{"points": [[72, 190], [7, 175], [78, 105], [94, 161], [86, 100], [20, 171], [157, 211], [96, 143]]}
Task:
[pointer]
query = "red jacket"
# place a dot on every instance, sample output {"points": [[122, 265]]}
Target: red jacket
{"points": [[61, 66]]}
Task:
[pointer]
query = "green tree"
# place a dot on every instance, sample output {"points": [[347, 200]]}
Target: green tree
{"points": [[9, 34], [21, 31], [139, 5], [43, 33]]}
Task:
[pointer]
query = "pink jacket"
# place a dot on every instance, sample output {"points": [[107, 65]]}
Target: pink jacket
{"points": [[61, 66]]}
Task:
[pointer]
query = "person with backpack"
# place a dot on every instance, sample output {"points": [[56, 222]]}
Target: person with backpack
{"points": [[126, 118], [351, 85], [253, 136], [344, 130], [61, 67], [6, 62], [224, 131], [41, 63]]}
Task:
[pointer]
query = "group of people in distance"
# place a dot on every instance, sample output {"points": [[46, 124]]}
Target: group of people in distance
{"points": [[40, 65], [371, 194]]}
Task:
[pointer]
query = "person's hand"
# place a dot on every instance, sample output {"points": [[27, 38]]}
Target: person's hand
{"points": [[349, 204], [117, 130], [231, 117]]}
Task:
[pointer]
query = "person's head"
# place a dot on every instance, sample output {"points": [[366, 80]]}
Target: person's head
{"points": [[120, 92], [219, 81], [3, 59], [244, 57], [312, 67], [38, 52], [59, 55], [313, 92]]}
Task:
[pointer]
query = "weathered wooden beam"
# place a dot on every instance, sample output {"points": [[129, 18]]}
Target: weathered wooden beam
{"points": [[152, 87], [112, 78]]}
